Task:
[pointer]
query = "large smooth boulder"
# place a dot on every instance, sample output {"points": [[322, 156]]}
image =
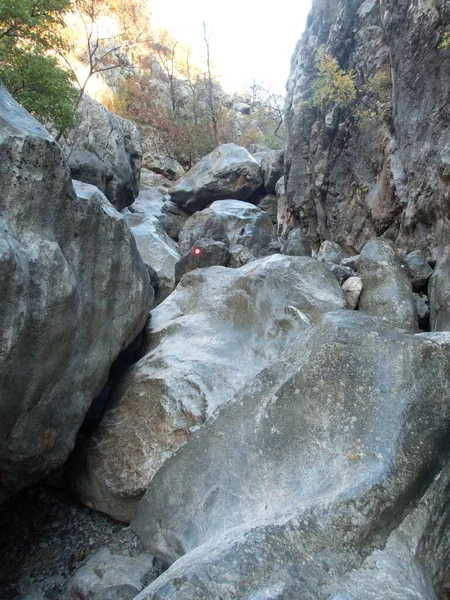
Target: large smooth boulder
{"points": [[115, 147], [296, 244], [325, 477], [245, 225], [149, 180], [219, 328], [269, 204], [204, 224], [331, 252], [417, 269], [158, 162], [229, 171], [205, 253], [156, 248], [272, 167], [156, 201], [387, 291], [74, 293], [439, 292]]}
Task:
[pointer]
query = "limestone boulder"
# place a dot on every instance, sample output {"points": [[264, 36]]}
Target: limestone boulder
{"points": [[107, 576], [229, 171], [172, 218], [331, 252], [74, 293], [116, 145], [157, 249], [218, 329], [417, 269], [272, 168], [204, 224], [87, 167], [245, 225], [439, 292], [204, 253], [156, 201], [324, 477], [157, 162], [240, 256], [150, 179], [387, 291], [269, 204], [296, 244]]}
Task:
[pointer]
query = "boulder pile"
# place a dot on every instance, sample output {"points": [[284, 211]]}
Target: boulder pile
{"points": [[283, 433]]}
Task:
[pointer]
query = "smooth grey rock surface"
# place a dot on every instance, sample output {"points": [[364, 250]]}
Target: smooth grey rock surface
{"points": [[439, 292], [240, 256], [297, 244], [229, 171], [218, 329], [87, 167], [204, 253], [149, 180], [387, 291], [156, 248], [74, 293], [272, 168], [156, 202], [325, 477], [115, 142], [269, 204], [202, 224], [417, 269], [245, 225], [331, 252], [106, 576], [158, 162]]}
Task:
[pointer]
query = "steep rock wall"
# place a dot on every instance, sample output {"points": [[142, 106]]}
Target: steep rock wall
{"points": [[388, 174]]}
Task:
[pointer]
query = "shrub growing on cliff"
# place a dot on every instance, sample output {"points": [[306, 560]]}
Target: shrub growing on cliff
{"points": [[29, 33], [332, 83]]}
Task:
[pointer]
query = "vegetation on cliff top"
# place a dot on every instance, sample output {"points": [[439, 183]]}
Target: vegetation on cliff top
{"points": [[52, 50]]}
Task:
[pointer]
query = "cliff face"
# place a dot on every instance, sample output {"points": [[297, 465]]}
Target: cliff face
{"points": [[387, 173]]}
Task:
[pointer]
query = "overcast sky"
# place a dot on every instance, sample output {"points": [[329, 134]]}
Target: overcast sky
{"points": [[249, 39]]}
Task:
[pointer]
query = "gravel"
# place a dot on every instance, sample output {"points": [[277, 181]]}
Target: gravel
{"points": [[45, 537]]}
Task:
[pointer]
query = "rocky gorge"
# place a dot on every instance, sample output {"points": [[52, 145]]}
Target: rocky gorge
{"points": [[235, 383]]}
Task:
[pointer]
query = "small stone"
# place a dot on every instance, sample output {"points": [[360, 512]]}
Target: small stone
{"points": [[352, 288]]}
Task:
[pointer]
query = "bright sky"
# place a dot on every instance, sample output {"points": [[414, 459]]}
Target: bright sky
{"points": [[249, 39]]}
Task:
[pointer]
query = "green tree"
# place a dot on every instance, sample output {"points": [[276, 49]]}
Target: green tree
{"points": [[30, 37]]}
